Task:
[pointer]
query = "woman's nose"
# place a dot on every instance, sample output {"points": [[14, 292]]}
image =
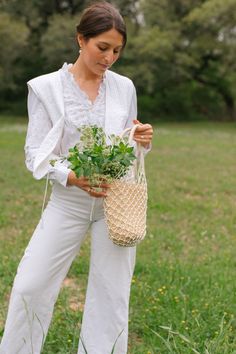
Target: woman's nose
{"points": [[109, 57]]}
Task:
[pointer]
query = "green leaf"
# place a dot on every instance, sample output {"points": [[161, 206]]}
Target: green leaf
{"points": [[92, 156]]}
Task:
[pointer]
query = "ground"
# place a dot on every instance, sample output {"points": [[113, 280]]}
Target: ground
{"points": [[183, 290]]}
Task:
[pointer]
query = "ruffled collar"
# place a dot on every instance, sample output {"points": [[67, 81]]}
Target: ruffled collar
{"points": [[71, 79]]}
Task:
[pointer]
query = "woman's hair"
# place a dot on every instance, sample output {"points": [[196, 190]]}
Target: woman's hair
{"points": [[101, 17]]}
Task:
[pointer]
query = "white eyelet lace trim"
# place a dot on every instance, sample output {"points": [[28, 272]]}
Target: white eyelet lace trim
{"points": [[79, 110]]}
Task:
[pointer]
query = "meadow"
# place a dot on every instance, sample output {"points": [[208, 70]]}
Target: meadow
{"points": [[183, 297]]}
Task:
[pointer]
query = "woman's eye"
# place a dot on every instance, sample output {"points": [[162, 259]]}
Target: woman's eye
{"points": [[102, 49]]}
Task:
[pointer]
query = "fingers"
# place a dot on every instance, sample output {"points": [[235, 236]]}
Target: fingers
{"points": [[144, 140], [144, 134], [104, 186], [73, 180], [97, 191], [99, 185], [94, 193], [136, 121], [144, 128]]}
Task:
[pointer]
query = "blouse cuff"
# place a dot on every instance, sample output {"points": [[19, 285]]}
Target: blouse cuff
{"points": [[61, 173]]}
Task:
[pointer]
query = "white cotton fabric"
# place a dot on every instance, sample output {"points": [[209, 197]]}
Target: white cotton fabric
{"points": [[120, 111], [65, 221], [47, 259], [79, 110]]}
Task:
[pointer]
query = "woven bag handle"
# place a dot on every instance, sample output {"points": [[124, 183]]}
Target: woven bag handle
{"points": [[139, 165], [131, 132]]}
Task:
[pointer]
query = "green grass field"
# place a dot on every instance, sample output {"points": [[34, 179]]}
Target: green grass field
{"points": [[183, 297]]}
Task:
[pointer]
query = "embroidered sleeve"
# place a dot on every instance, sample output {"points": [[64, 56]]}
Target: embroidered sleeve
{"points": [[38, 127]]}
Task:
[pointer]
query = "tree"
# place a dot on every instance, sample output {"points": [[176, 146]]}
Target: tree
{"points": [[180, 54], [213, 43], [183, 58], [58, 43], [13, 39]]}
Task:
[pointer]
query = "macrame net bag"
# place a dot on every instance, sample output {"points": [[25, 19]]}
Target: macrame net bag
{"points": [[125, 205]]}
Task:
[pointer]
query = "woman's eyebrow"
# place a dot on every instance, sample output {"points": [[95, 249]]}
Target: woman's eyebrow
{"points": [[101, 42]]}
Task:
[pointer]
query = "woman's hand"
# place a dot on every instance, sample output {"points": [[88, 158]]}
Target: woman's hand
{"points": [[143, 134], [83, 183]]}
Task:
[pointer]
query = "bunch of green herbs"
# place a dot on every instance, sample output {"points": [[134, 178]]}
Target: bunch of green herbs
{"points": [[99, 161]]}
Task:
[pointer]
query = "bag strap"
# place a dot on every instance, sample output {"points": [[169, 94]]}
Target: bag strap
{"points": [[131, 130], [139, 163]]}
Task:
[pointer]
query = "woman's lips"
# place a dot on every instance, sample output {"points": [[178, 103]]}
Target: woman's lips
{"points": [[104, 66]]}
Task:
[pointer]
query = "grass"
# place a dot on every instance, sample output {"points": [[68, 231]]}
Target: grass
{"points": [[183, 291]]}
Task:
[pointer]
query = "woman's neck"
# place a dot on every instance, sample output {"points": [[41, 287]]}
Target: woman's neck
{"points": [[82, 73]]}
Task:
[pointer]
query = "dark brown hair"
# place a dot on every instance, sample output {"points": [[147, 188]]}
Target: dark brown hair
{"points": [[101, 17]]}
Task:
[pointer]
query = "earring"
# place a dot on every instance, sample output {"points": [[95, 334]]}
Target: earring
{"points": [[80, 47]]}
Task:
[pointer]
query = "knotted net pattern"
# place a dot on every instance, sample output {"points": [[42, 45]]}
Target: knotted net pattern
{"points": [[125, 206]]}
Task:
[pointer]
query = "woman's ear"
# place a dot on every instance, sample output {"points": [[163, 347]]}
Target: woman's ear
{"points": [[80, 40]]}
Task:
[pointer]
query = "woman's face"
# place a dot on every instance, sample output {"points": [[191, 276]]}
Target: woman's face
{"points": [[100, 52]]}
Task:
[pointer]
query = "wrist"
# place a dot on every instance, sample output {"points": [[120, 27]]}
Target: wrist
{"points": [[71, 179]]}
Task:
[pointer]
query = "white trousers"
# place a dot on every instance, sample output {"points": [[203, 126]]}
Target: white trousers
{"points": [[47, 259]]}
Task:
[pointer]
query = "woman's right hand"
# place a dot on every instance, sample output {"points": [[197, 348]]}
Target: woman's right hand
{"points": [[83, 183]]}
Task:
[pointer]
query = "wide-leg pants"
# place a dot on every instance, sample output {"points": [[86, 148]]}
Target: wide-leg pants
{"points": [[47, 259]]}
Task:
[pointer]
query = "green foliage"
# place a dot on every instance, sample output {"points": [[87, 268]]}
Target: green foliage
{"points": [[93, 158], [173, 48], [59, 42], [13, 38], [183, 44], [213, 13]]}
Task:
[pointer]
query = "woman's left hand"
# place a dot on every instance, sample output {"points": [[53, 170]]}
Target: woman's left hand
{"points": [[143, 134]]}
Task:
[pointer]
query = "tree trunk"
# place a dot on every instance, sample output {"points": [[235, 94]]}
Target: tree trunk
{"points": [[229, 103], [225, 93]]}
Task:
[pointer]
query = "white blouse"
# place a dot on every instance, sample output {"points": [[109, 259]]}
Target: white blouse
{"points": [[79, 110]]}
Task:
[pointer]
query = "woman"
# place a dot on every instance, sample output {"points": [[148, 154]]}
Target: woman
{"points": [[58, 103]]}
